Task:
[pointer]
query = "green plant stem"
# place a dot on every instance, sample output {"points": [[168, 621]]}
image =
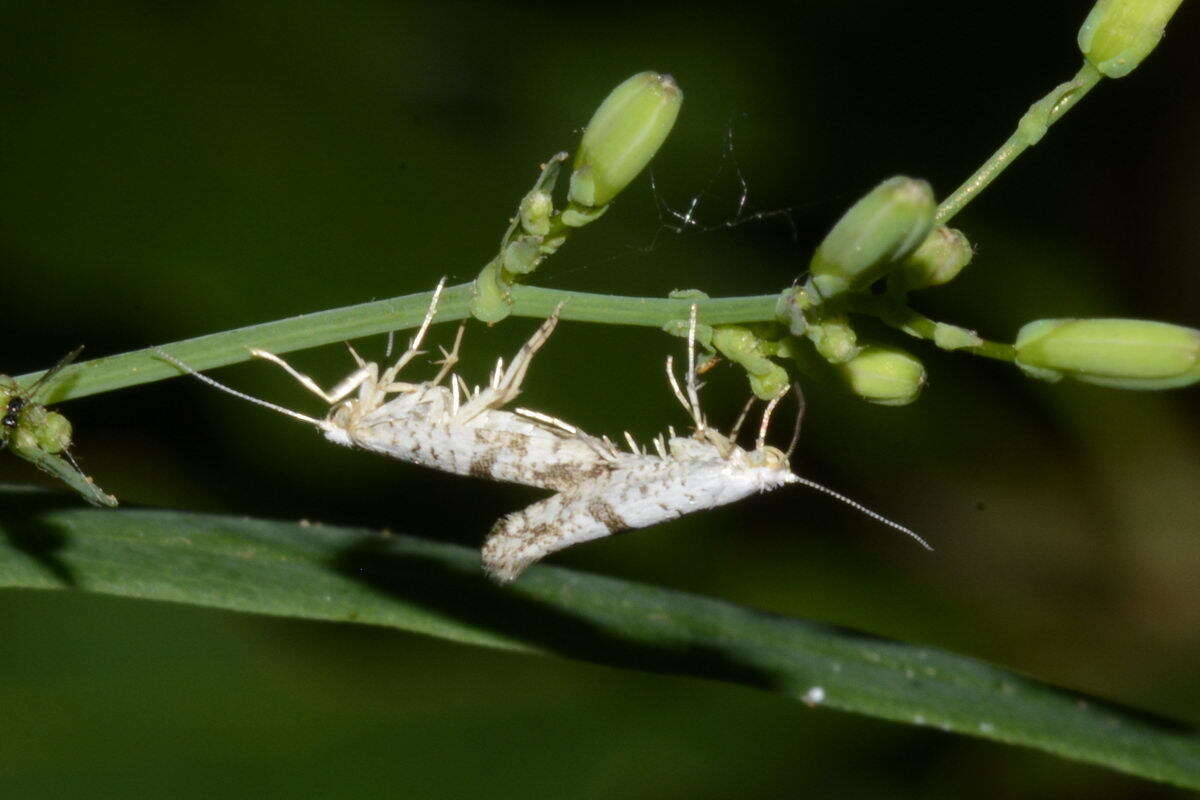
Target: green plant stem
{"points": [[365, 319], [1033, 125], [899, 316], [398, 313]]}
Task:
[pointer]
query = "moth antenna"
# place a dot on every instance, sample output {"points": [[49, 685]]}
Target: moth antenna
{"points": [[859, 507], [165, 356]]}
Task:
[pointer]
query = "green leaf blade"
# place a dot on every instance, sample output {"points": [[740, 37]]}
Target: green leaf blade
{"points": [[348, 575]]}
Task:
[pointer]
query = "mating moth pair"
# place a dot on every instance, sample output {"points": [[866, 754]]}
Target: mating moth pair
{"points": [[599, 488]]}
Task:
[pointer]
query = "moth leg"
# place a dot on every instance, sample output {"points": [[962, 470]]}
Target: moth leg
{"points": [[414, 345], [693, 394], [601, 447], [509, 385], [449, 359], [800, 406], [675, 385], [761, 441], [547, 421], [506, 385], [737, 425], [447, 363], [359, 361], [691, 400]]}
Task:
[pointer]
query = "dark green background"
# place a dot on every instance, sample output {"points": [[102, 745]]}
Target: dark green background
{"points": [[172, 169]]}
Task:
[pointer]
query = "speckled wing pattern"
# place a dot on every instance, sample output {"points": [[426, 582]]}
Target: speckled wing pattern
{"points": [[599, 488]]}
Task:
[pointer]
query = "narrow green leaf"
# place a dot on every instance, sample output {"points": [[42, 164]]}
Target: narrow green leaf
{"points": [[328, 573]]}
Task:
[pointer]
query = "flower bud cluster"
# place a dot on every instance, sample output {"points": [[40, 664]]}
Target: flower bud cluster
{"points": [[625, 133], [888, 233]]}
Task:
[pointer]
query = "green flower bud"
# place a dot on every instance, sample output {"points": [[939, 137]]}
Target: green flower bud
{"points": [[624, 134], [883, 375], [54, 433], [742, 346], [536, 209], [550, 245], [952, 337], [792, 308], [834, 339], [32, 417], [680, 328], [885, 226], [1118, 34], [490, 301], [1123, 353], [939, 259], [23, 441], [38, 428], [523, 255], [576, 216]]}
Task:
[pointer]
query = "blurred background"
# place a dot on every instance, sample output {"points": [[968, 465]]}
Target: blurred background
{"points": [[171, 169]]}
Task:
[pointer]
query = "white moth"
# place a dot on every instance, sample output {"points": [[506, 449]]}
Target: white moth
{"points": [[450, 428], [685, 474], [600, 489]]}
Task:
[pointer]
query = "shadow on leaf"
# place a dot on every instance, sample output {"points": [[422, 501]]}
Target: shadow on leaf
{"points": [[465, 595], [26, 528]]}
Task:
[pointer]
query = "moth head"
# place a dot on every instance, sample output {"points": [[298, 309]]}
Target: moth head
{"points": [[341, 415], [769, 458]]}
